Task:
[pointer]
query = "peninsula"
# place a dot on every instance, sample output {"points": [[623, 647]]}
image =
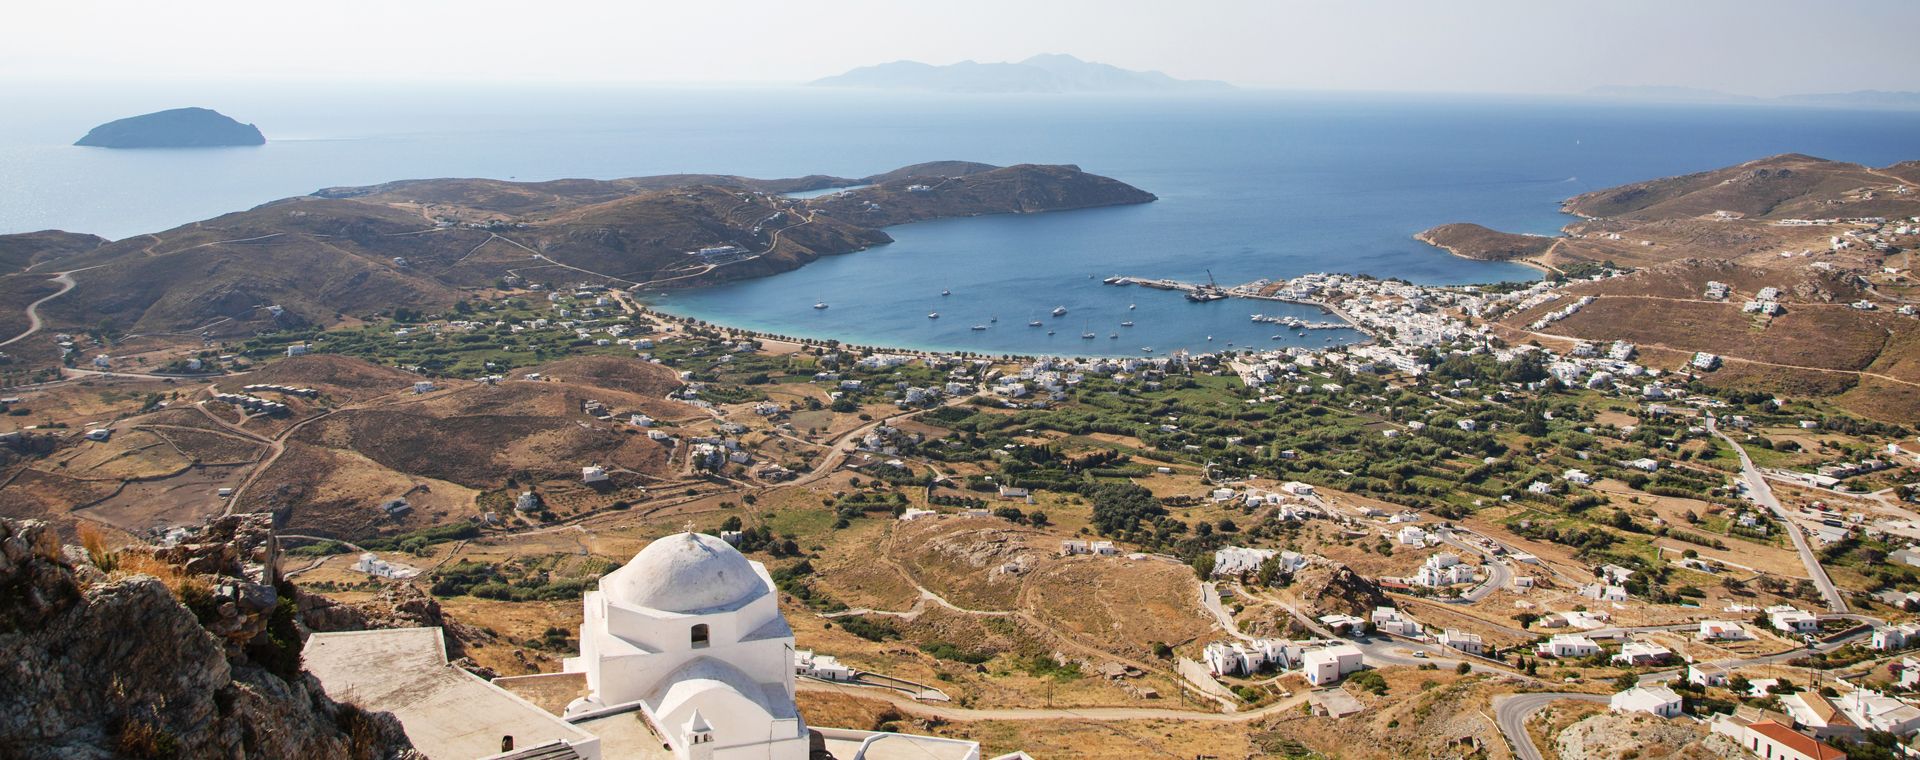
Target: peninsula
{"points": [[174, 128], [350, 252], [1472, 241]]}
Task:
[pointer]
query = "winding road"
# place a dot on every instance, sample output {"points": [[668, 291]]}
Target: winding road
{"points": [[34, 322], [1512, 710]]}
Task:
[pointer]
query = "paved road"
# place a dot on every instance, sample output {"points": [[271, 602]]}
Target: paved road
{"points": [[1511, 713], [1762, 493], [1498, 574], [1058, 713]]}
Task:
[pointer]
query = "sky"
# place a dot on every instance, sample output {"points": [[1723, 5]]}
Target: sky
{"points": [[1752, 47]]}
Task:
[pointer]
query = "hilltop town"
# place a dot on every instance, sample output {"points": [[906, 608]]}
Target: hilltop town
{"points": [[1670, 492]]}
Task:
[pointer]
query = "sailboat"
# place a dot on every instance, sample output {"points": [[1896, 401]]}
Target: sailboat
{"points": [[933, 315], [820, 304], [945, 292], [1086, 334]]}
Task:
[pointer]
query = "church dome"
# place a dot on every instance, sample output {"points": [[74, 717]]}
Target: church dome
{"points": [[685, 573]]}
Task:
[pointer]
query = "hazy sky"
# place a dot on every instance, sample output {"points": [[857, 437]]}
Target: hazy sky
{"points": [[1762, 47]]}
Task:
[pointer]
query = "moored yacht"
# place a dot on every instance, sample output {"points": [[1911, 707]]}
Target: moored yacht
{"points": [[1059, 311]]}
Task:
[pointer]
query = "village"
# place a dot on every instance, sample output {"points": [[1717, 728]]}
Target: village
{"points": [[1567, 517]]}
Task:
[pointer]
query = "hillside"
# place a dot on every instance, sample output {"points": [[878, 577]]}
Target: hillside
{"points": [[353, 252], [1803, 225], [1778, 187], [1472, 241], [27, 249]]}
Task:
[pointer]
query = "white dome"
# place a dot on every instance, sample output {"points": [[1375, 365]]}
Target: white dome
{"points": [[686, 573]]}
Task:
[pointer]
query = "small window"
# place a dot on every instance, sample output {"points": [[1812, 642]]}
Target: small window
{"points": [[700, 636]]}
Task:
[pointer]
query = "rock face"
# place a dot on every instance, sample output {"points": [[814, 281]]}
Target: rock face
{"points": [[175, 128], [106, 662]]}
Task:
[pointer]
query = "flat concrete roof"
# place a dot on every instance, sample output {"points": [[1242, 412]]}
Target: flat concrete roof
{"points": [[449, 714]]}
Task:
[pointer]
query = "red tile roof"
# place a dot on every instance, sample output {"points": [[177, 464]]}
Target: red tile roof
{"points": [[1796, 741]]}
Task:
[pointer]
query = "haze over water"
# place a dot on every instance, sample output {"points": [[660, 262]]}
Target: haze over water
{"points": [[1251, 185]]}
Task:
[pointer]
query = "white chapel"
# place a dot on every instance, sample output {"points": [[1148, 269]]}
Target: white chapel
{"points": [[691, 630], [684, 655]]}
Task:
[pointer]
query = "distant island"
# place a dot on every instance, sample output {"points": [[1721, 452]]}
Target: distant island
{"points": [[1669, 94], [174, 128], [1046, 73]]}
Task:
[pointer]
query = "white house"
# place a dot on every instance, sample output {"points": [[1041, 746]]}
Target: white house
{"points": [[372, 565], [1892, 637], [1787, 619], [1389, 620], [1603, 592], [1412, 536], [1564, 645], [1706, 674], [1463, 641], [820, 666], [1232, 561], [1818, 716], [1722, 630], [1771, 740], [1634, 653], [1872, 710], [593, 474], [1329, 664], [1656, 700]]}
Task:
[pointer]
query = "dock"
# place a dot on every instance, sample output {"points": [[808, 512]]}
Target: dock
{"points": [[1209, 292]]}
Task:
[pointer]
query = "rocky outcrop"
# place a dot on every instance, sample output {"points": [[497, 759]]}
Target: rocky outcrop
{"points": [[184, 652], [1330, 587], [1621, 736]]}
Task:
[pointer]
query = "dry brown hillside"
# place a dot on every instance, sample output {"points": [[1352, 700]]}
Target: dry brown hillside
{"points": [[1790, 185], [422, 244]]}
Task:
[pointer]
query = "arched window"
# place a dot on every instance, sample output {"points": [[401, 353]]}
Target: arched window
{"points": [[699, 635]]}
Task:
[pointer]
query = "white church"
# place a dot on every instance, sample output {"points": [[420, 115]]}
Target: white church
{"points": [[684, 655]]}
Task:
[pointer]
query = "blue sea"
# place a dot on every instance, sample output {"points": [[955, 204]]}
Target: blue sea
{"points": [[1251, 185]]}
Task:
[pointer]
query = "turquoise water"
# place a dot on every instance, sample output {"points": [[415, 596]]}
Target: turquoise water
{"points": [[1251, 185]]}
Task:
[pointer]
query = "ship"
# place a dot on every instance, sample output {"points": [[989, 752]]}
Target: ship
{"points": [[1059, 311], [820, 305], [933, 315], [979, 327], [945, 292], [1208, 292], [1128, 323]]}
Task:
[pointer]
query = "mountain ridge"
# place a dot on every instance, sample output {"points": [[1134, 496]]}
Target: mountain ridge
{"points": [[1046, 73]]}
